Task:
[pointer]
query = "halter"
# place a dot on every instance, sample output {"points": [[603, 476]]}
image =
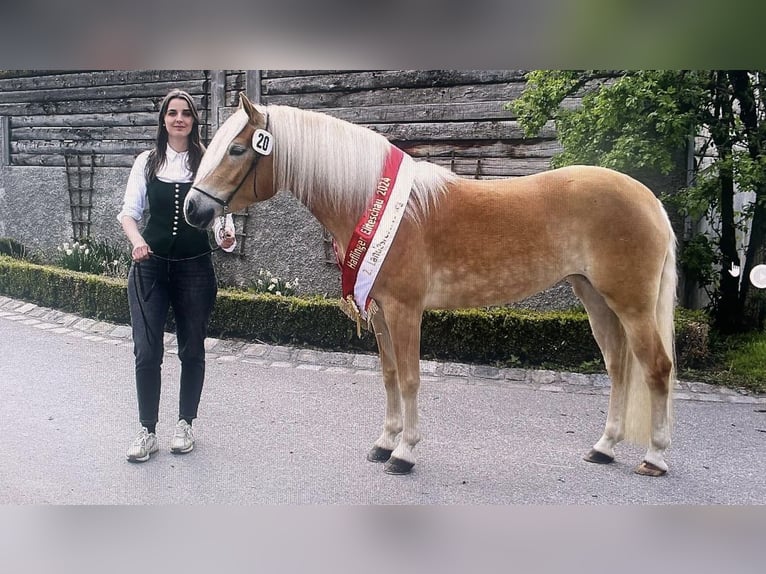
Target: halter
{"points": [[259, 151], [225, 203]]}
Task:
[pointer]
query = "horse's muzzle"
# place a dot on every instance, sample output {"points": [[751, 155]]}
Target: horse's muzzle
{"points": [[199, 212]]}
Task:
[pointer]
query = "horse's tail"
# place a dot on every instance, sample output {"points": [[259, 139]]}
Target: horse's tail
{"points": [[638, 409]]}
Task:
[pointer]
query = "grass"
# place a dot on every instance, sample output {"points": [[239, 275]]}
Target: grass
{"points": [[745, 359], [738, 361]]}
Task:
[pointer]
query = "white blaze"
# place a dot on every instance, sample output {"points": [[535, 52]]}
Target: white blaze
{"points": [[219, 145]]}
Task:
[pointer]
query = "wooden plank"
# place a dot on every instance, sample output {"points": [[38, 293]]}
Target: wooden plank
{"points": [[100, 160], [4, 74], [494, 166], [60, 80], [296, 73], [235, 83], [81, 120], [326, 101], [113, 105], [84, 133], [356, 81], [217, 97], [129, 147], [490, 130], [5, 142], [153, 90], [253, 85], [407, 113], [320, 101], [476, 149]]}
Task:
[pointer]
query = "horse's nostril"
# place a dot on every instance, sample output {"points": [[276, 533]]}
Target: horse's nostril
{"points": [[190, 207]]}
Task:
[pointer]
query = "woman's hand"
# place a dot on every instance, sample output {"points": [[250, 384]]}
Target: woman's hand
{"points": [[225, 234], [227, 239], [141, 252]]}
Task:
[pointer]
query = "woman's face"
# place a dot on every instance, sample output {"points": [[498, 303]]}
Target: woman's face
{"points": [[178, 118]]}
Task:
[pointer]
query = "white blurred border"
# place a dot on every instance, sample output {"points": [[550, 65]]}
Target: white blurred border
{"points": [[338, 540]]}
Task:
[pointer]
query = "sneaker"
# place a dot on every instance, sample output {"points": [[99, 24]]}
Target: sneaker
{"points": [[143, 446], [183, 439]]}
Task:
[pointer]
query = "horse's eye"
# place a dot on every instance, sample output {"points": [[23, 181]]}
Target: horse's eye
{"points": [[237, 150]]}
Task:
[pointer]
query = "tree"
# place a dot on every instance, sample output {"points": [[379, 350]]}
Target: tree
{"points": [[643, 121]]}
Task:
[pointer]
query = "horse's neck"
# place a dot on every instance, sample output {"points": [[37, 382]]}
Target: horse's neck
{"points": [[338, 222]]}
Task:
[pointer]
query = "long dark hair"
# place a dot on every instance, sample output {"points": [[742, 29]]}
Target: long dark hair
{"points": [[158, 155]]}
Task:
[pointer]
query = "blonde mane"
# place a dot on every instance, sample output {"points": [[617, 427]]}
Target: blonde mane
{"points": [[318, 154]]}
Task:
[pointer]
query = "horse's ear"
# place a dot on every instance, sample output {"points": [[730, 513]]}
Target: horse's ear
{"points": [[245, 104]]}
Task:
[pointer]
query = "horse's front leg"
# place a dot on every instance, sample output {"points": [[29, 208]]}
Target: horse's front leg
{"points": [[386, 443], [404, 330]]}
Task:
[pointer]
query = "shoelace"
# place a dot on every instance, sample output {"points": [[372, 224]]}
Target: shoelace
{"points": [[141, 439]]}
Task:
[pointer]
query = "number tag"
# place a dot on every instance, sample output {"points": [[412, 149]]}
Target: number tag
{"points": [[263, 142]]}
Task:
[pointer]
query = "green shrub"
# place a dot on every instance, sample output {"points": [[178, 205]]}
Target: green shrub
{"points": [[501, 336], [88, 295]]}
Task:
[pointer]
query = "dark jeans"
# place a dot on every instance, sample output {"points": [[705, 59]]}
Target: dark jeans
{"points": [[154, 286]]}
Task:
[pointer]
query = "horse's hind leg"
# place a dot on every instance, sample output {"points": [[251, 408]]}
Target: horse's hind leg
{"points": [[392, 426], [610, 337], [648, 348]]}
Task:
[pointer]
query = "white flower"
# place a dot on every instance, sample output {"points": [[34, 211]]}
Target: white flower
{"points": [[271, 287], [87, 251], [66, 245], [68, 251], [279, 292]]}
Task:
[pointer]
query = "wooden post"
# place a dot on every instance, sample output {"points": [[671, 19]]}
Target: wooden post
{"points": [[5, 141], [253, 85], [217, 98]]}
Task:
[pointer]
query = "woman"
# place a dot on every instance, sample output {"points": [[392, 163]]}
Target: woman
{"points": [[172, 267]]}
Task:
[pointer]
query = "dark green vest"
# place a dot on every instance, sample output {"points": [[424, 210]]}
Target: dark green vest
{"points": [[167, 232]]}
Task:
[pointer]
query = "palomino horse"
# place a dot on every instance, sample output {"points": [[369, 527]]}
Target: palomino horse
{"points": [[469, 243]]}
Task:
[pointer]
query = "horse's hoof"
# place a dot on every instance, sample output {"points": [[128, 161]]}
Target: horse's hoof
{"points": [[398, 466], [378, 454], [598, 457], [649, 469]]}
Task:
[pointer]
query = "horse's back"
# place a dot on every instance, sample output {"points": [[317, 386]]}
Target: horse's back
{"points": [[495, 241]]}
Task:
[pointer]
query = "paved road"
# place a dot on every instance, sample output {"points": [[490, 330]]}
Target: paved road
{"points": [[280, 425]]}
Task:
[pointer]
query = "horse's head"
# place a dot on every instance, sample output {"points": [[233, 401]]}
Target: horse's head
{"points": [[236, 170]]}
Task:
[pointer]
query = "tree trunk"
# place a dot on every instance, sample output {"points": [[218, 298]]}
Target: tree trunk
{"points": [[728, 308], [751, 301], [754, 300]]}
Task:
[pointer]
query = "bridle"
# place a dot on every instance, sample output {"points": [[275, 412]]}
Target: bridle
{"points": [[225, 202], [230, 196]]}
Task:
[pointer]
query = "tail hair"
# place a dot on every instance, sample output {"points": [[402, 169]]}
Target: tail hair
{"points": [[638, 408]]}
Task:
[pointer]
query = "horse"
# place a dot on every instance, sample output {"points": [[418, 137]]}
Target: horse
{"points": [[463, 242]]}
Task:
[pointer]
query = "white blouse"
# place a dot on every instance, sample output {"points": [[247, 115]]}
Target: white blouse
{"points": [[174, 170]]}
